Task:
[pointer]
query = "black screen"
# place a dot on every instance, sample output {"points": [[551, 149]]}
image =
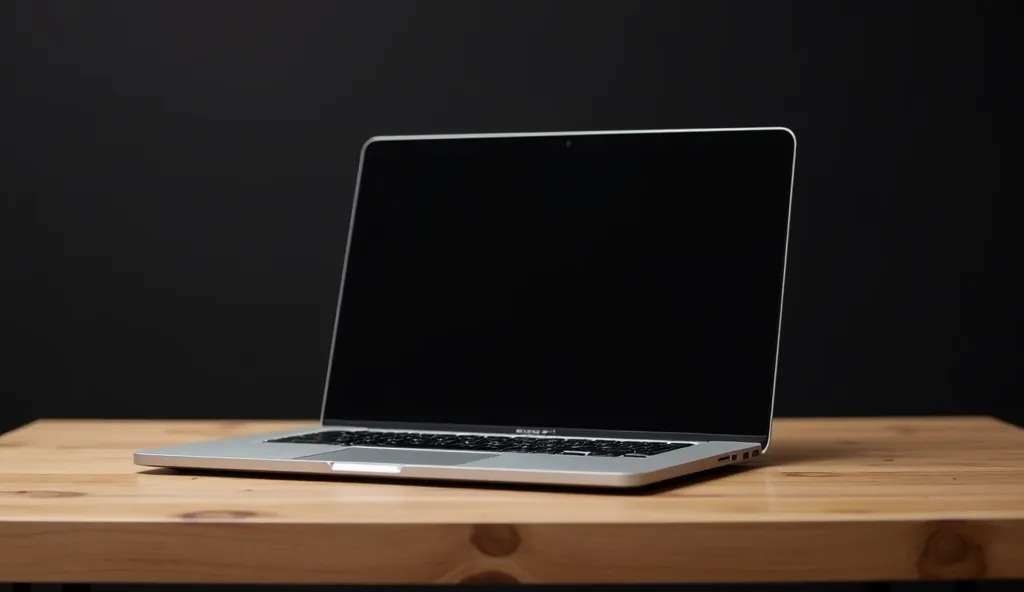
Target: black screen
{"points": [[611, 281]]}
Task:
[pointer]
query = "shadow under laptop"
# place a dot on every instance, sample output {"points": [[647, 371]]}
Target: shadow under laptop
{"points": [[781, 455], [645, 490]]}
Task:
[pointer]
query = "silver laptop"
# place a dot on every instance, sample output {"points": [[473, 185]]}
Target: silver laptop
{"points": [[584, 309]]}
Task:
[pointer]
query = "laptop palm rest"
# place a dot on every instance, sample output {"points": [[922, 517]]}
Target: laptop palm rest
{"points": [[384, 460]]}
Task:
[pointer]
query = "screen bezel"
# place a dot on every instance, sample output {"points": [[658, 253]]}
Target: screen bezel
{"points": [[566, 137]]}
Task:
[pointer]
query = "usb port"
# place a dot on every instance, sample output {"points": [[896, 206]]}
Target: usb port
{"points": [[724, 458], [746, 455]]}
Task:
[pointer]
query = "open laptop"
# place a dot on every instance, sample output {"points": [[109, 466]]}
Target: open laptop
{"points": [[585, 309]]}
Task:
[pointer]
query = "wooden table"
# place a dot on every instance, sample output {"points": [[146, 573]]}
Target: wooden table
{"points": [[833, 500]]}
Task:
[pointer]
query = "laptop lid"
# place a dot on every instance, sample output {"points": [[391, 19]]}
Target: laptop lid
{"points": [[594, 283]]}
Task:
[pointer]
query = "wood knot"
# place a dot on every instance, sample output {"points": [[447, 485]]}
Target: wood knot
{"points": [[496, 540], [490, 578], [215, 515], [951, 555], [47, 494]]}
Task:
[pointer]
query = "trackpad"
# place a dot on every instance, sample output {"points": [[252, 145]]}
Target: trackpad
{"points": [[399, 457]]}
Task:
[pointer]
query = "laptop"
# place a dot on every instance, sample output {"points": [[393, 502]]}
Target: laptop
{"points": [[597, 309]]}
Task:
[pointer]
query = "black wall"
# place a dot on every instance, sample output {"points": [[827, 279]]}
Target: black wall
{"points": [[178, 176]]}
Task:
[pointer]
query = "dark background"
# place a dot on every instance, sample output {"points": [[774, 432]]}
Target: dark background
{"points": [[177, 178]]}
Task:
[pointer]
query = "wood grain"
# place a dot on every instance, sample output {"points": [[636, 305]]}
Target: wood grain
{"points": [[833, 500]]}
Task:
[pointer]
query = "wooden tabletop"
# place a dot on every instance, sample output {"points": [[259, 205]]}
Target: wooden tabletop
{"points": [[833, 500]]}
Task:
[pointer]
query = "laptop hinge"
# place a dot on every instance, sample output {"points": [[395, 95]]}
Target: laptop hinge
{"points": [[530, 431]]}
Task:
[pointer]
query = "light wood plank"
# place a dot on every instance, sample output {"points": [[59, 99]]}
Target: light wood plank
{"points": [[834, 500]]}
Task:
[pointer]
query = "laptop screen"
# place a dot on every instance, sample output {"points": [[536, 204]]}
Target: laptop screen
{"points": [[612, 281]]}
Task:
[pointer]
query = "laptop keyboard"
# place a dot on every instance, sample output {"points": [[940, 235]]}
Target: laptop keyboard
{"points": [[476, 443]]}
